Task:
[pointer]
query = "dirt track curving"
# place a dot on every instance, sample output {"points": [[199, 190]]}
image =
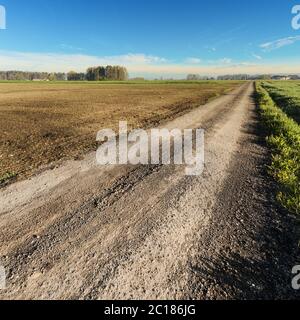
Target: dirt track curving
{"points": [[124, 232]]}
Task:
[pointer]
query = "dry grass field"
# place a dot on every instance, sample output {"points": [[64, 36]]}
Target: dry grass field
{"points": [[42, 123]]}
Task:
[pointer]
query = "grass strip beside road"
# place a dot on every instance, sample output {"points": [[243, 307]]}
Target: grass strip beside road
{"points": [[286, 95], [284, 141]]}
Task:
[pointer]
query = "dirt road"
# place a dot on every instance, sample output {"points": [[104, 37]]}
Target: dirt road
{"points": [[88, 232]]}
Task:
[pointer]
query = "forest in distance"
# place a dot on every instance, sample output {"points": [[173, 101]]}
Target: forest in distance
{"points": [[99, 73]]}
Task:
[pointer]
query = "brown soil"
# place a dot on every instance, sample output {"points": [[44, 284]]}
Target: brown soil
{"points": [[43, 123]]}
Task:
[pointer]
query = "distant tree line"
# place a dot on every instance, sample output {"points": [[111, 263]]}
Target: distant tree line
{"points": [[113, 73], [234, 77], [107, 73], [196, 77], [75, 76], [100, 73], [31, 76]]}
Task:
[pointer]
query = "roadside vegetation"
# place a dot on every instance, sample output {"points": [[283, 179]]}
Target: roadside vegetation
{"points": [[284, 141], [6, 177], [286, 94]]}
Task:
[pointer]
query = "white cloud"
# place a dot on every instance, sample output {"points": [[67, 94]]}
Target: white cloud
{"points": [[192, 60], [211, 49], [244, 64], [51, 62], [69, 47], [137, 58], [225, 61], [242, 67], [218, 62], [137, 64], [273, 45], [256, 56]]}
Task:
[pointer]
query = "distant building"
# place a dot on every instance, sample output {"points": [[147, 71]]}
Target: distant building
{"points": [[281, 78], [294, 77]]}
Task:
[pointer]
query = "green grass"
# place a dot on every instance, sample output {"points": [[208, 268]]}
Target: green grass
{"points": [[286, 94], [284, 140], [6, 177]]}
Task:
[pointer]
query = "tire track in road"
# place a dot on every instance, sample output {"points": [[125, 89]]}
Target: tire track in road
{"points": [[120, 232]]}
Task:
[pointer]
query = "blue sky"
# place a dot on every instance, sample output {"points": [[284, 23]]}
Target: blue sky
{"points": [[152, 38]]}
